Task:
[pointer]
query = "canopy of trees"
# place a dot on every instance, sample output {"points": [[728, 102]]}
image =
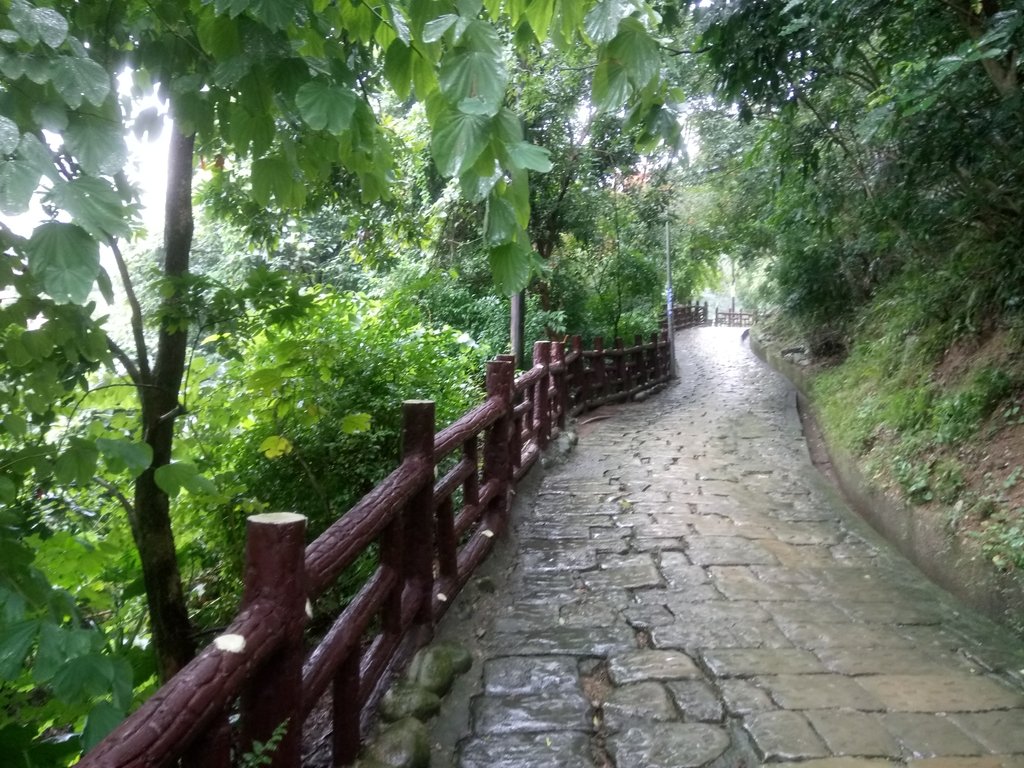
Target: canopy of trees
{"points": [[352, 191]]}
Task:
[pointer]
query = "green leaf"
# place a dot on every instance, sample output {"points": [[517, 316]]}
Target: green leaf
{"points": [[434, 30], [23, 21], [275, 14], [353, 423], [65, 259], [458, 140], [15, 642], [326, 107], [275, 176], [83, 677], [101, 720], [15, 424], [51, 26], [637, 51], [18, 182], [510, 266], [77, 463], [475, 81], [602, 21], [276, 446], [611, 85], [398, 68], [123, 455], [94, 205], [539, 14], [400, 23], [8, 490], [10, 136], [96, 142], [500, 223], [530, 157], [171, 478], [76, 78]]}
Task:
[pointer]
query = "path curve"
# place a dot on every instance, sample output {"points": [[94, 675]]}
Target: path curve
{"points": [[687, 591]]}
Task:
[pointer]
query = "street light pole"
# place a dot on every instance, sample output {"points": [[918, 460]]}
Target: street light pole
{"points": [[668, 305]]}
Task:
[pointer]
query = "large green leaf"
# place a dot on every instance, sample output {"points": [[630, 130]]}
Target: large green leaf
{"points": [[51, 26], [77, 464], [602, 21], [102, 719], [611, 85], [125, 455], [475, 81], [326, 107], [171, 478], [434, 30], [10, 136], [18, 182], [94, 205], [529, 156], [97, 143], [65, 259], [510, 266], [458, 140], [637, 51], [353, 423], [15, 642], [77, 78], [500, 223], [398, 68]]}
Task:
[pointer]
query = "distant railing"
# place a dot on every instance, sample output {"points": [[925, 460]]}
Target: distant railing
{"points": [[431, 535], [734, 318], [687, 316]]}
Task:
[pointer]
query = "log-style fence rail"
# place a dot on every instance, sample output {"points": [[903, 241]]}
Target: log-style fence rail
{"points": [[431, 533]]}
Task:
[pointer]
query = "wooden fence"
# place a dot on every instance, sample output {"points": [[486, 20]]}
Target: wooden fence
{"points": [[431, 534], [687, 316], [733, 318]]}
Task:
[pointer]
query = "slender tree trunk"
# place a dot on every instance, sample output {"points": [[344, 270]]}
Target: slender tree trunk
{"points": [[517, 329], [154, 537]]}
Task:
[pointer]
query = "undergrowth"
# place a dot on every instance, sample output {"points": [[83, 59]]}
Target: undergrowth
{"points": [[935, 409]]}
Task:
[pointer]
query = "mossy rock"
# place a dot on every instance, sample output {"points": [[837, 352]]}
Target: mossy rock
{"points": [[462, 659], [404, 744], [432, 668], [406, 699]]}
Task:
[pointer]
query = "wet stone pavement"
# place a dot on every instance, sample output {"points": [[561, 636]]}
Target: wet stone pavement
{"points": [[686, 590]]}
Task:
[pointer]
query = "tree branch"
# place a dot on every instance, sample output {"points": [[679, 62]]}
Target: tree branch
{"points": [[136, 308]]}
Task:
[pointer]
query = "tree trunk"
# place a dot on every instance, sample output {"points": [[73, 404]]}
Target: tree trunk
{"points": [[517, 329], [154, 536]]}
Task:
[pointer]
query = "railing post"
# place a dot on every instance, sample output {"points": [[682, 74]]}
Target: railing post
{"points": [[541, 411], [639, 364], [275, 575], [600, 383], [580, 375], [499, 443], [560, 379], [418, 445], [515, 445], [655, 359], [706, 316], [666, 358], [621, 371]]}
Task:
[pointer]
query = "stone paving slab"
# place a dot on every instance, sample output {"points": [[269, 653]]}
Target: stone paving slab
{"points": [[686, 590]]}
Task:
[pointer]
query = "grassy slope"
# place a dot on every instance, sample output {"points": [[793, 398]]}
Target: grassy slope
{"points": [[935, 413]]}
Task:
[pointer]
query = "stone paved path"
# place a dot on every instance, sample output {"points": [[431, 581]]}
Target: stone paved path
{"points": [[687, 591]]}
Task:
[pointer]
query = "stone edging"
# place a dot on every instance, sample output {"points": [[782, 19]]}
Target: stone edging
{"points": [[957, 564]]}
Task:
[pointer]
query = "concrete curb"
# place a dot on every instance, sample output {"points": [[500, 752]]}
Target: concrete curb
{"points": [[955, 563]]}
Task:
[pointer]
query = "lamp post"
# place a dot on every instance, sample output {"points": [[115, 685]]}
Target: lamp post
{"points": [[668, 305]]}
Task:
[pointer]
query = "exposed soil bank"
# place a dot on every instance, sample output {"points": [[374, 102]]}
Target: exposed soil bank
{"points": [[954, 562]]}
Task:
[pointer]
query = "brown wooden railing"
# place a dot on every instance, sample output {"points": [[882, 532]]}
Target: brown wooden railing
{"points": [[731, 317], [431, 534], [687, 316]]}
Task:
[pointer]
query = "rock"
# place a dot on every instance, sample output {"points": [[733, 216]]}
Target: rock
{"points": [[406, 699], [433, 669], [404, 744], [461, 658]]}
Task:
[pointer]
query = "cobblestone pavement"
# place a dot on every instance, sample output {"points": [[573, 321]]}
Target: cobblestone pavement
{"points": [[687, 591]]}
